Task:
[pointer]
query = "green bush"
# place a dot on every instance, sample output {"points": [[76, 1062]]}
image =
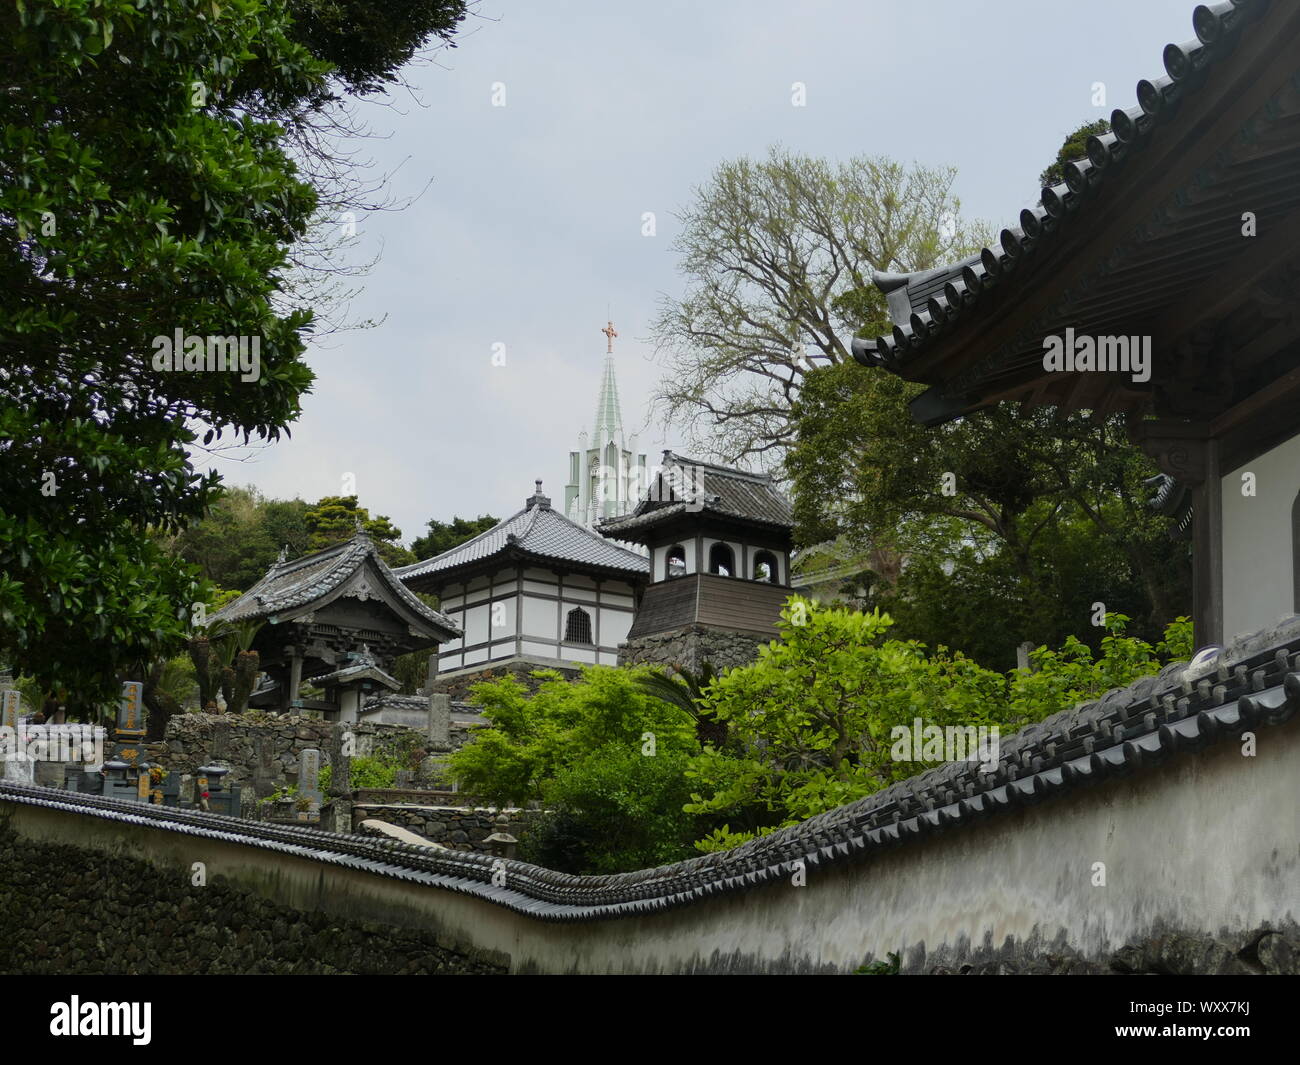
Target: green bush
{"points": [[812, 718], [534, 737], [603, 755], [370, 772], [808, 727], [618, 809]]}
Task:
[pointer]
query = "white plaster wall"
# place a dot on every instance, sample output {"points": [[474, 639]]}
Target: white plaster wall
{"points": [[616, 593], [1208, 842], [476, 624], [614, 626], [505, 611], [1257, 565], [539, 618]]}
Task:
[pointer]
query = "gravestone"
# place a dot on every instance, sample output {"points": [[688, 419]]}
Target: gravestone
{"points": [[440, 722], [129, 734], [309, 781], [11, 767], [263, 766], [11, 705]]}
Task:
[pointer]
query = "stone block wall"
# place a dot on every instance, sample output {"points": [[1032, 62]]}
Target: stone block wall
{"points": [[691, 646], [69, 910], [262, 751], [458, 827]]}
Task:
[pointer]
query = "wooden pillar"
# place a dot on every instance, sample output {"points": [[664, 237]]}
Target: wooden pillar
{"points": [[1207, 552], [295, 680], [1186, 451]]}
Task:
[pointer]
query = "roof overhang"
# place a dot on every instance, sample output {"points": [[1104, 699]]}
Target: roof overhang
{"points": [[1146, 240]]}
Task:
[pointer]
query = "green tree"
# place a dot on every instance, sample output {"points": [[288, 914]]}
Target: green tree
{"points": [[242, 534], [686, 690], [146, 186], [1074, 147], [534, 736], [443, 536], [1037, 515], [143, 190], [615, 811], [365, 43], [813, 718], [606, 757], [333, 519], [778, 255]]}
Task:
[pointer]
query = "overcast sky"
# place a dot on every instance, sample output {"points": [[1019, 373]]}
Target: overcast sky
{"points": [[531, 227]]}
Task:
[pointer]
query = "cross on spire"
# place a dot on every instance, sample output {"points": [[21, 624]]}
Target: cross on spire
{"points": [[610, 334]]}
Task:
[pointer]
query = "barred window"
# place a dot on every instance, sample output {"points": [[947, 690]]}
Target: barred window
{"points": [[577, 626]]}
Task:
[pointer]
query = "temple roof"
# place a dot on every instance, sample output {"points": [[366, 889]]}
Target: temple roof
{"points": [[292, 589], [362, 666], [1143, 238], [686, 486], [537, 534]]}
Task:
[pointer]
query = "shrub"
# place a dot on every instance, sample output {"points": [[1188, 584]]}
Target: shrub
{"points": [[812, 718]]}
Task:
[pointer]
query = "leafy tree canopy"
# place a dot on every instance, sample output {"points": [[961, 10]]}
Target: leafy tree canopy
{"points": [[1075, 147], [812, 720], [444, 535], [1039, 516], [333, 519], [146, 191], [777, 256]]}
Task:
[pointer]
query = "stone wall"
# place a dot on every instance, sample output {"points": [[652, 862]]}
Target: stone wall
{"points": [[458, 827], [262, 750], [690, 647], [71, 911]]}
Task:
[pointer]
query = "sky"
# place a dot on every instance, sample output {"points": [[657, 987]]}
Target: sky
{"points": [[527, 229]]}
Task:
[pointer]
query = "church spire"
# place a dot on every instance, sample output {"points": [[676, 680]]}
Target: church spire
{"points": [[606, 472], [609, 414]]}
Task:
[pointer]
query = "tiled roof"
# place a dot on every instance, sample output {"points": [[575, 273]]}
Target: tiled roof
{"points": [[461, 712], [932, 307], [538, 532], [293, 588], [361, 667], [685, 486]]}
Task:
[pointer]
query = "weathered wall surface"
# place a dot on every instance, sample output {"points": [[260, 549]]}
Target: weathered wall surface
{"points": [[690, 647], [68, 910], [263, 753], [1201, 858], [458, 827]]}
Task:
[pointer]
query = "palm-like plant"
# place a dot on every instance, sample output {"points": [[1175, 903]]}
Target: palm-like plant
{"points": [[223, 660], [686, 689]]}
